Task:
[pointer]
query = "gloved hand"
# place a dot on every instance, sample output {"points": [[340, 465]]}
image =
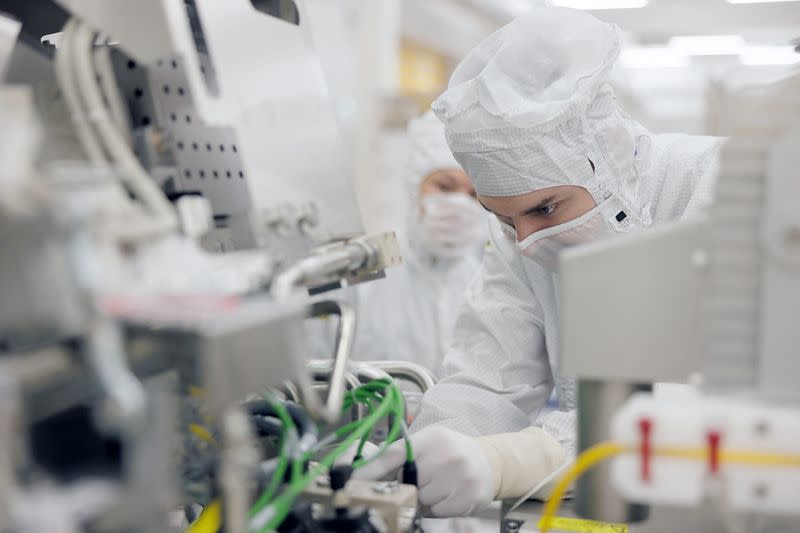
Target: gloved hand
{"points": [[455, 478], [348, 456]]}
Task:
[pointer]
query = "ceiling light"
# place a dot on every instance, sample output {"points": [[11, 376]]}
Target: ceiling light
{"points": [[708, 45], [769, 55], [758, 1], [591, 5], [652, 57]]}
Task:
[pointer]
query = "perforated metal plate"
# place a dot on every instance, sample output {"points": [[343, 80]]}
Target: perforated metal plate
{"points": [[207, 158]]}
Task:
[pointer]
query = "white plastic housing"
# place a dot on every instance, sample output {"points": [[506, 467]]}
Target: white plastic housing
{"points": [[744, 425]]}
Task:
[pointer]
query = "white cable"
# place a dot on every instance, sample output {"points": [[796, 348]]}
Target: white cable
{"points": [[66, 81], [162, 217], [111, 92], [554, 475]]}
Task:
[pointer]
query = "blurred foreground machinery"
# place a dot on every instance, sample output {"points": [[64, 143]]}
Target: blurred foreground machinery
{"points": [[173, 187]]}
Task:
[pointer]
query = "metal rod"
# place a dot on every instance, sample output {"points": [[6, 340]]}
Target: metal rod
{"points": [[239, 456], [416, 374], [345, 338], [105, 353], [319, 267], [595, 497]]}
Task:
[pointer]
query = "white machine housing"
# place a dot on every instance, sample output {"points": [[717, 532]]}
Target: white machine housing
{"points": [[249, 116], [723, 298]]}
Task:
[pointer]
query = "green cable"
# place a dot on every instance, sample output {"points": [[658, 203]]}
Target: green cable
{"points": [[267, 496], [394, 431], [366, 436], [280, 470], [282, 504], [390, 403], [397, 427]]}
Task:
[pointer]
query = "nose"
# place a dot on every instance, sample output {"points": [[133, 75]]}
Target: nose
{"points": [[525, 227]]}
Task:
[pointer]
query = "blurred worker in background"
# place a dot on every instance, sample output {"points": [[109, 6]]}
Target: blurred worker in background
{"points": [[410, 315], [530, 116]]}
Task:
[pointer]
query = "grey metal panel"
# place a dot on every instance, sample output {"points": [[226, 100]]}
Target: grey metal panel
{"points": [[38, 18], [207, 158], [40, 297], [779, 364], [735, 260], [630, 307]]}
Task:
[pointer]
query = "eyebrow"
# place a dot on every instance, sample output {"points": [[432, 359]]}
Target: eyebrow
{"points": [[529, 211]]}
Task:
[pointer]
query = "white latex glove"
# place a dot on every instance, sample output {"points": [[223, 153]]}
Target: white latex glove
{"points": [[455, 478]]}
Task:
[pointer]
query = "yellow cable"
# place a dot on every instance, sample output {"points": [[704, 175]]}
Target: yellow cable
{"points": [[201, 432], [605, 450], [586, 460], [758, 458], [209, 520], [197, 392], [739, 457]]}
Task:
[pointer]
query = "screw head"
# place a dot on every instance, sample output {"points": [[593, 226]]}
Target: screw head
{"points": [[385, 487]]}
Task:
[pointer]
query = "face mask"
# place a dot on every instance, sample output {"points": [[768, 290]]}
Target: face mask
{"points": [[453, 224], [606, 220]]}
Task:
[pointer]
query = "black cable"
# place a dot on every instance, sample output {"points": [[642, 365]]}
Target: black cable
{"points": [[267, 426], [189, 513], [410, 473], [305, 425]]}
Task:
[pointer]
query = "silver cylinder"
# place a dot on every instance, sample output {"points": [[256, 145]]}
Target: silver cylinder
{"points": [[595, 498]]}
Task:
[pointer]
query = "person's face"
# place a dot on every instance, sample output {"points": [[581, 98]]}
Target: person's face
{"points": [[447, 180], [538, 210]]}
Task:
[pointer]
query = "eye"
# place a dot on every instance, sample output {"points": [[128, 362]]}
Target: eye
{"points": [[547, 209]]}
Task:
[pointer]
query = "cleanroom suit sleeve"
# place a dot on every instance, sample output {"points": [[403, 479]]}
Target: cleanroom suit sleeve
{"points": [[497, 373]]}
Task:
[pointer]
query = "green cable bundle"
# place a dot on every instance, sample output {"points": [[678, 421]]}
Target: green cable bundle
{"points": [[382, 399]]}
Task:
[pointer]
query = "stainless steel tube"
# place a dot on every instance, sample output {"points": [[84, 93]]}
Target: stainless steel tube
{"points": [[345, 337], [416, 374], [319, 266]]}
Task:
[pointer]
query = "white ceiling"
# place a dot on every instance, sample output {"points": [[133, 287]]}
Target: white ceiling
{"points": [[452, 27], [663, 85]]}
